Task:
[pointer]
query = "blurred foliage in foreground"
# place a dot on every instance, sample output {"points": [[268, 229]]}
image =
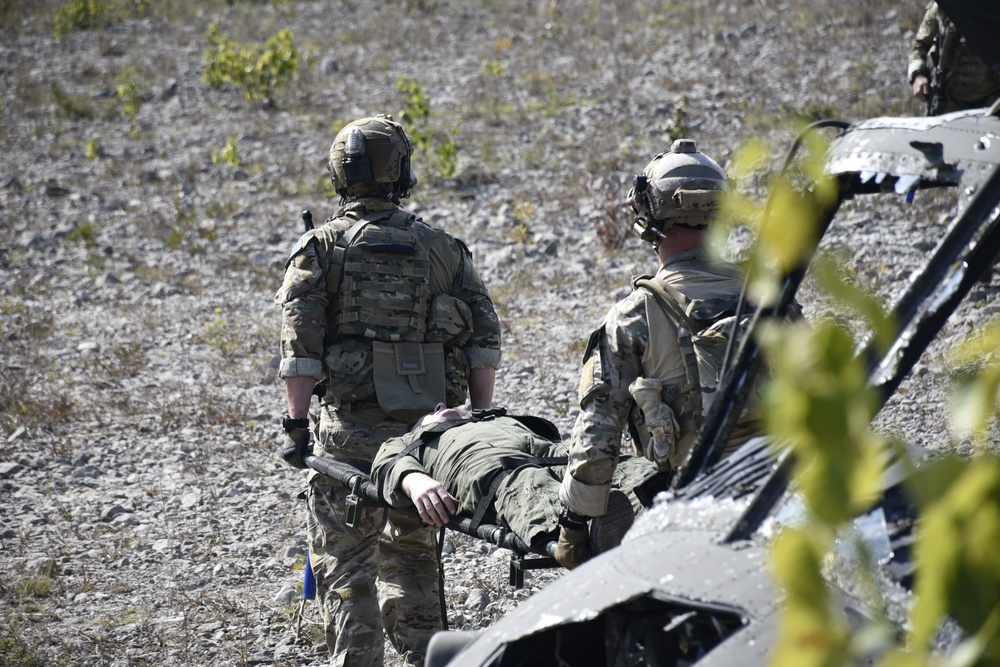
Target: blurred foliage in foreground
{"points": [[820, 405]]}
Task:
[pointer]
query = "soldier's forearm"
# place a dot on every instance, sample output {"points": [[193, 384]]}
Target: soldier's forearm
{"points": [[298, 391], [481, 383]]}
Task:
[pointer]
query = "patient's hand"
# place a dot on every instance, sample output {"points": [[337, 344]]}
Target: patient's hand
{"points": [[435, 504]]}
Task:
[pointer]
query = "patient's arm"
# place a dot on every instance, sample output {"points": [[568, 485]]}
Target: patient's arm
{"points": [[435, 504]]}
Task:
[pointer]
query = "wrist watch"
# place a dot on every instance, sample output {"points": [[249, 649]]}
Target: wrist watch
{"points": [[289, 424]]}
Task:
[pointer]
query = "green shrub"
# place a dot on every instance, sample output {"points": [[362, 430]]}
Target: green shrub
{"points": [[447, 157], [221, 334], [416, 112], [77, 107], [228, 154], [130, 94], [39, 587], [93, 150], [14, 650], [84, 234], [90, 14], [416, 117], [79, 15], [255, 69]]}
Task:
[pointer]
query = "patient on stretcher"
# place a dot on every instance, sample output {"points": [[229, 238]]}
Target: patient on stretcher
{"points": [[505, 470]]}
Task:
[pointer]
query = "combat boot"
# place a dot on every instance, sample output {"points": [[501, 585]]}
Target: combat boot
{"points": [[606, 532]]}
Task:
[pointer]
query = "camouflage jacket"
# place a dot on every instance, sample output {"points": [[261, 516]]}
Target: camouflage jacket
{"points": [[309, 328], [969, 80], [618, 354]]}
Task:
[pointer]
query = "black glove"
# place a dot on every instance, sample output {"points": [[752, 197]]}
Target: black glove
{"points": [[298, 442]]}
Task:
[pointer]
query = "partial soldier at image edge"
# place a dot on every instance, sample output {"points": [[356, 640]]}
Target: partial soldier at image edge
{"points": [[944, 71]]}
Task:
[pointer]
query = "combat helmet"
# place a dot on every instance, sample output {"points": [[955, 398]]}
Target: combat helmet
{"points": [[371, 157], [679, 187]]}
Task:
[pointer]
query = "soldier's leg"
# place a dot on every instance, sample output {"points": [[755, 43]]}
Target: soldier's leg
{"points": [[345, 564], [630, 473], [528, 503], [409, 591]]}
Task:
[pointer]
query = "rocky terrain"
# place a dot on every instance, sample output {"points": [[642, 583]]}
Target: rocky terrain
{"points": [[145, 515]]}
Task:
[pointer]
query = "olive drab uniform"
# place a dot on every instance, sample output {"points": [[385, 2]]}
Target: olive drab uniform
{"points": [[968, 81], [389, 315], [499, 470], [640, 376]]}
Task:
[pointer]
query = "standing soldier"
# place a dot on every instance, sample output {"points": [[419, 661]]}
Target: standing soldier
{"points": [[384, 317], [641, 369], [944, 71]]}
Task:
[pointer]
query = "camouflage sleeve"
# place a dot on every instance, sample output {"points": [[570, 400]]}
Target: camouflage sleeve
{"points": [[613, 362], [483, 348], [303, 301], [922, 42], [388, 472]]}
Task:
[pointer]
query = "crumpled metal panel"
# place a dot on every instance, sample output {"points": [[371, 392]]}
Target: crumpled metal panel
{"points": [[942, 150], [684, 562]]}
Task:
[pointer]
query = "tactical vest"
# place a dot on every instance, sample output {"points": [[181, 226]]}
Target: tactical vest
{"points": [[384, 291], [382, 303], [704, 331]]}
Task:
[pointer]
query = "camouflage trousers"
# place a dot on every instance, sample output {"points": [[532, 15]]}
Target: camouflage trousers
{"points": [[383, 571]]}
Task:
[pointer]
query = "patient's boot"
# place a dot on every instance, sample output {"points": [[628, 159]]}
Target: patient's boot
{"points": [[606, 532]]}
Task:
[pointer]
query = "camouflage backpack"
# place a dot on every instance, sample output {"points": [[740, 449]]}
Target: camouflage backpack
{"points": [[705, 329]]}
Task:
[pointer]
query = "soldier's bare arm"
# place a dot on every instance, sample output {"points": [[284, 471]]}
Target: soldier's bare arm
{"points": [[481, 382], [299, 393]]}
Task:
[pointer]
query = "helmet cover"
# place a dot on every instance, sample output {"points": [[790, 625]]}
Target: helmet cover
{"points": [[371, 157], [681, 186]]}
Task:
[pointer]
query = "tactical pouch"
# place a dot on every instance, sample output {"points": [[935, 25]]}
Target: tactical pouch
{"points": [[450, 321], [349, 371], [409, 378]]}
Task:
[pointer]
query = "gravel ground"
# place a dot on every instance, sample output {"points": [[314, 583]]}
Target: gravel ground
{"points": [[146, 516]]}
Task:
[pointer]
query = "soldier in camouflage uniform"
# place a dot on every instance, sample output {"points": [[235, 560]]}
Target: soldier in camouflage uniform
{"points": [[967, 82], [498, 471], [383, 318], [635, 373]]}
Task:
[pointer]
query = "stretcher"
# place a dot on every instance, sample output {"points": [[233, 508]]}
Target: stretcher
{"points": [[362, 492]]}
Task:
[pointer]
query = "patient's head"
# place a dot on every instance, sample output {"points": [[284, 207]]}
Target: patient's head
{"points": [[442, 413]]}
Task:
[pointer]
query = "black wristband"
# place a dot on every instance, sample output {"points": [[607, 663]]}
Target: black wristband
{"points": [[570, 519], [486, 414], [290, 424]]}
